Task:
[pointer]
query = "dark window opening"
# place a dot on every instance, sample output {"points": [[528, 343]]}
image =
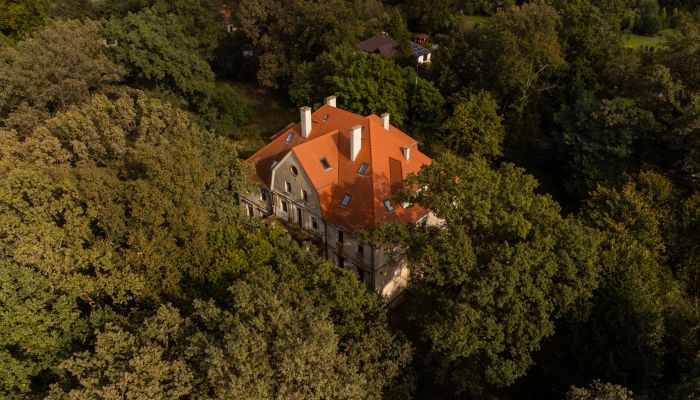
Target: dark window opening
{"points": [[304, 195], [314, 223], [341, 237], [285, 207], [341, 262], [363, 169], [325, 164]]}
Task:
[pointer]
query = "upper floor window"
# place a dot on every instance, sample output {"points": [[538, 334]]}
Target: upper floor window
{"points": [[346, 200], [285, 207], [341, 236], [289, 139], [314, 223], [360, 249], [263, 196], [389, 206], [294, 170], [304, 195], [288, 187], [363, 169], [324, 162]]}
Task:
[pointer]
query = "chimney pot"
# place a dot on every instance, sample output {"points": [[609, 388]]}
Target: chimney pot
{"points": [[305, 113], [385, 121], [355, 141], [330, 100]]}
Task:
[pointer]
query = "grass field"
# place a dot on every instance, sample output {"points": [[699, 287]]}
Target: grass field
{"points": [[633, 41], [476, 19]]}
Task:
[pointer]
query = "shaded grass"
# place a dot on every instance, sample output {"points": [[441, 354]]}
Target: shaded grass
{"points": [[475, 19], [270, 111]]}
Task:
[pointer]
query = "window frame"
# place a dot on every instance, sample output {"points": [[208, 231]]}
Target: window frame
{"points": [[345, 202], [287, 187], [324, 163], [289, 138], [389, 207], [363, 171]]}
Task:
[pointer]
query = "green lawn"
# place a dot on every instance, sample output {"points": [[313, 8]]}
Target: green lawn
{"points": [[633, 41]]}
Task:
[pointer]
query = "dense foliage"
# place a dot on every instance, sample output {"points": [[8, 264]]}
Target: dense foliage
{"points": [[565, 174]]}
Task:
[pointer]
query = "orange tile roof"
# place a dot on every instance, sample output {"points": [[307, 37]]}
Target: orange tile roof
{"points": [[381, 149]]}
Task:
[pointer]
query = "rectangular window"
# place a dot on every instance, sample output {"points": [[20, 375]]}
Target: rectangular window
{"points": [[288, 187], [304, 195], [361, 273], [285, 207], [289, 139], [250, 210], [341, 262], [325, 164], [346, 200], [360, 249], [389, 206], [263, 196], [363, 169], [341, 237], [314, 223]]}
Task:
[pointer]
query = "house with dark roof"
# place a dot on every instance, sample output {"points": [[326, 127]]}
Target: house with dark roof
{"points": [[335, 173], [388, 47]]}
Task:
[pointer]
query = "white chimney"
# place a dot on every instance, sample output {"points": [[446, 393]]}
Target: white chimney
{"points": [[385, 121], [406, 152], [305, 121], [330, 100], [355, 141]]}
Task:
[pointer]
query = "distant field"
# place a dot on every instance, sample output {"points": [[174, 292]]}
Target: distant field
{"points": [[636, 41], [477, 19]]}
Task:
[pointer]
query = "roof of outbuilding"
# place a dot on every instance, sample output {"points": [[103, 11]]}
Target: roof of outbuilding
{"points": [[381, 149], [386, 46]]}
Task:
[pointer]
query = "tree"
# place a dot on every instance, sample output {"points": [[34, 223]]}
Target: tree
{"points": [[599, 391], [600, 141], [270, 340], [368, 83], [589, 43], [475, 126], [59, 66], [516, 55], [155, 49], [477, 314], [118, 187], [39, 326], [286, 34], [22, 17]]}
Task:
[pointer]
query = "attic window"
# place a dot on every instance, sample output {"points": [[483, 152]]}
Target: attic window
{"points": [[290, 137], [325, 164], [363, 169], [326, 117], [346, 200], [274, 164], [389, 206]]}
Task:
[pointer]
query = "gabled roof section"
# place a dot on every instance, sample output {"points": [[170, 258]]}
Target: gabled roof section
{"points": [[381, 150]]}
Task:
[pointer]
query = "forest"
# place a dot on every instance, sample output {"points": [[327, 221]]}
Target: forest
{"points": [[565, 137]]}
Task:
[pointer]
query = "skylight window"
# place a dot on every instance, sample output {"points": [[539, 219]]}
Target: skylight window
{"points": [[346, 200], [274, 164], [389, 206], [363, 169], [290, 137], [326, 117], [324, 162]]}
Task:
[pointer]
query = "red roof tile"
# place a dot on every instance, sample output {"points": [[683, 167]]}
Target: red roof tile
{"points": [[330, 138]]}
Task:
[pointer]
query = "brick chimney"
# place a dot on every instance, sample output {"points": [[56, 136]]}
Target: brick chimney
{"points": [[355, 141], [385, 121], [305, 113], [330, 100]]}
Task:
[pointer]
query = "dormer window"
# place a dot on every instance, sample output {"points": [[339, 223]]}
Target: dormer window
{"points": [[324, 162], [346, 200], [363, 169], [389, 206], [289, 139]]}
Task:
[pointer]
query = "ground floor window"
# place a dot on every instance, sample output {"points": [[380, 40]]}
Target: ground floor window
{"points": [[250, 210], [285, 207], [341, 262], [361, 272], [314, 223]]}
